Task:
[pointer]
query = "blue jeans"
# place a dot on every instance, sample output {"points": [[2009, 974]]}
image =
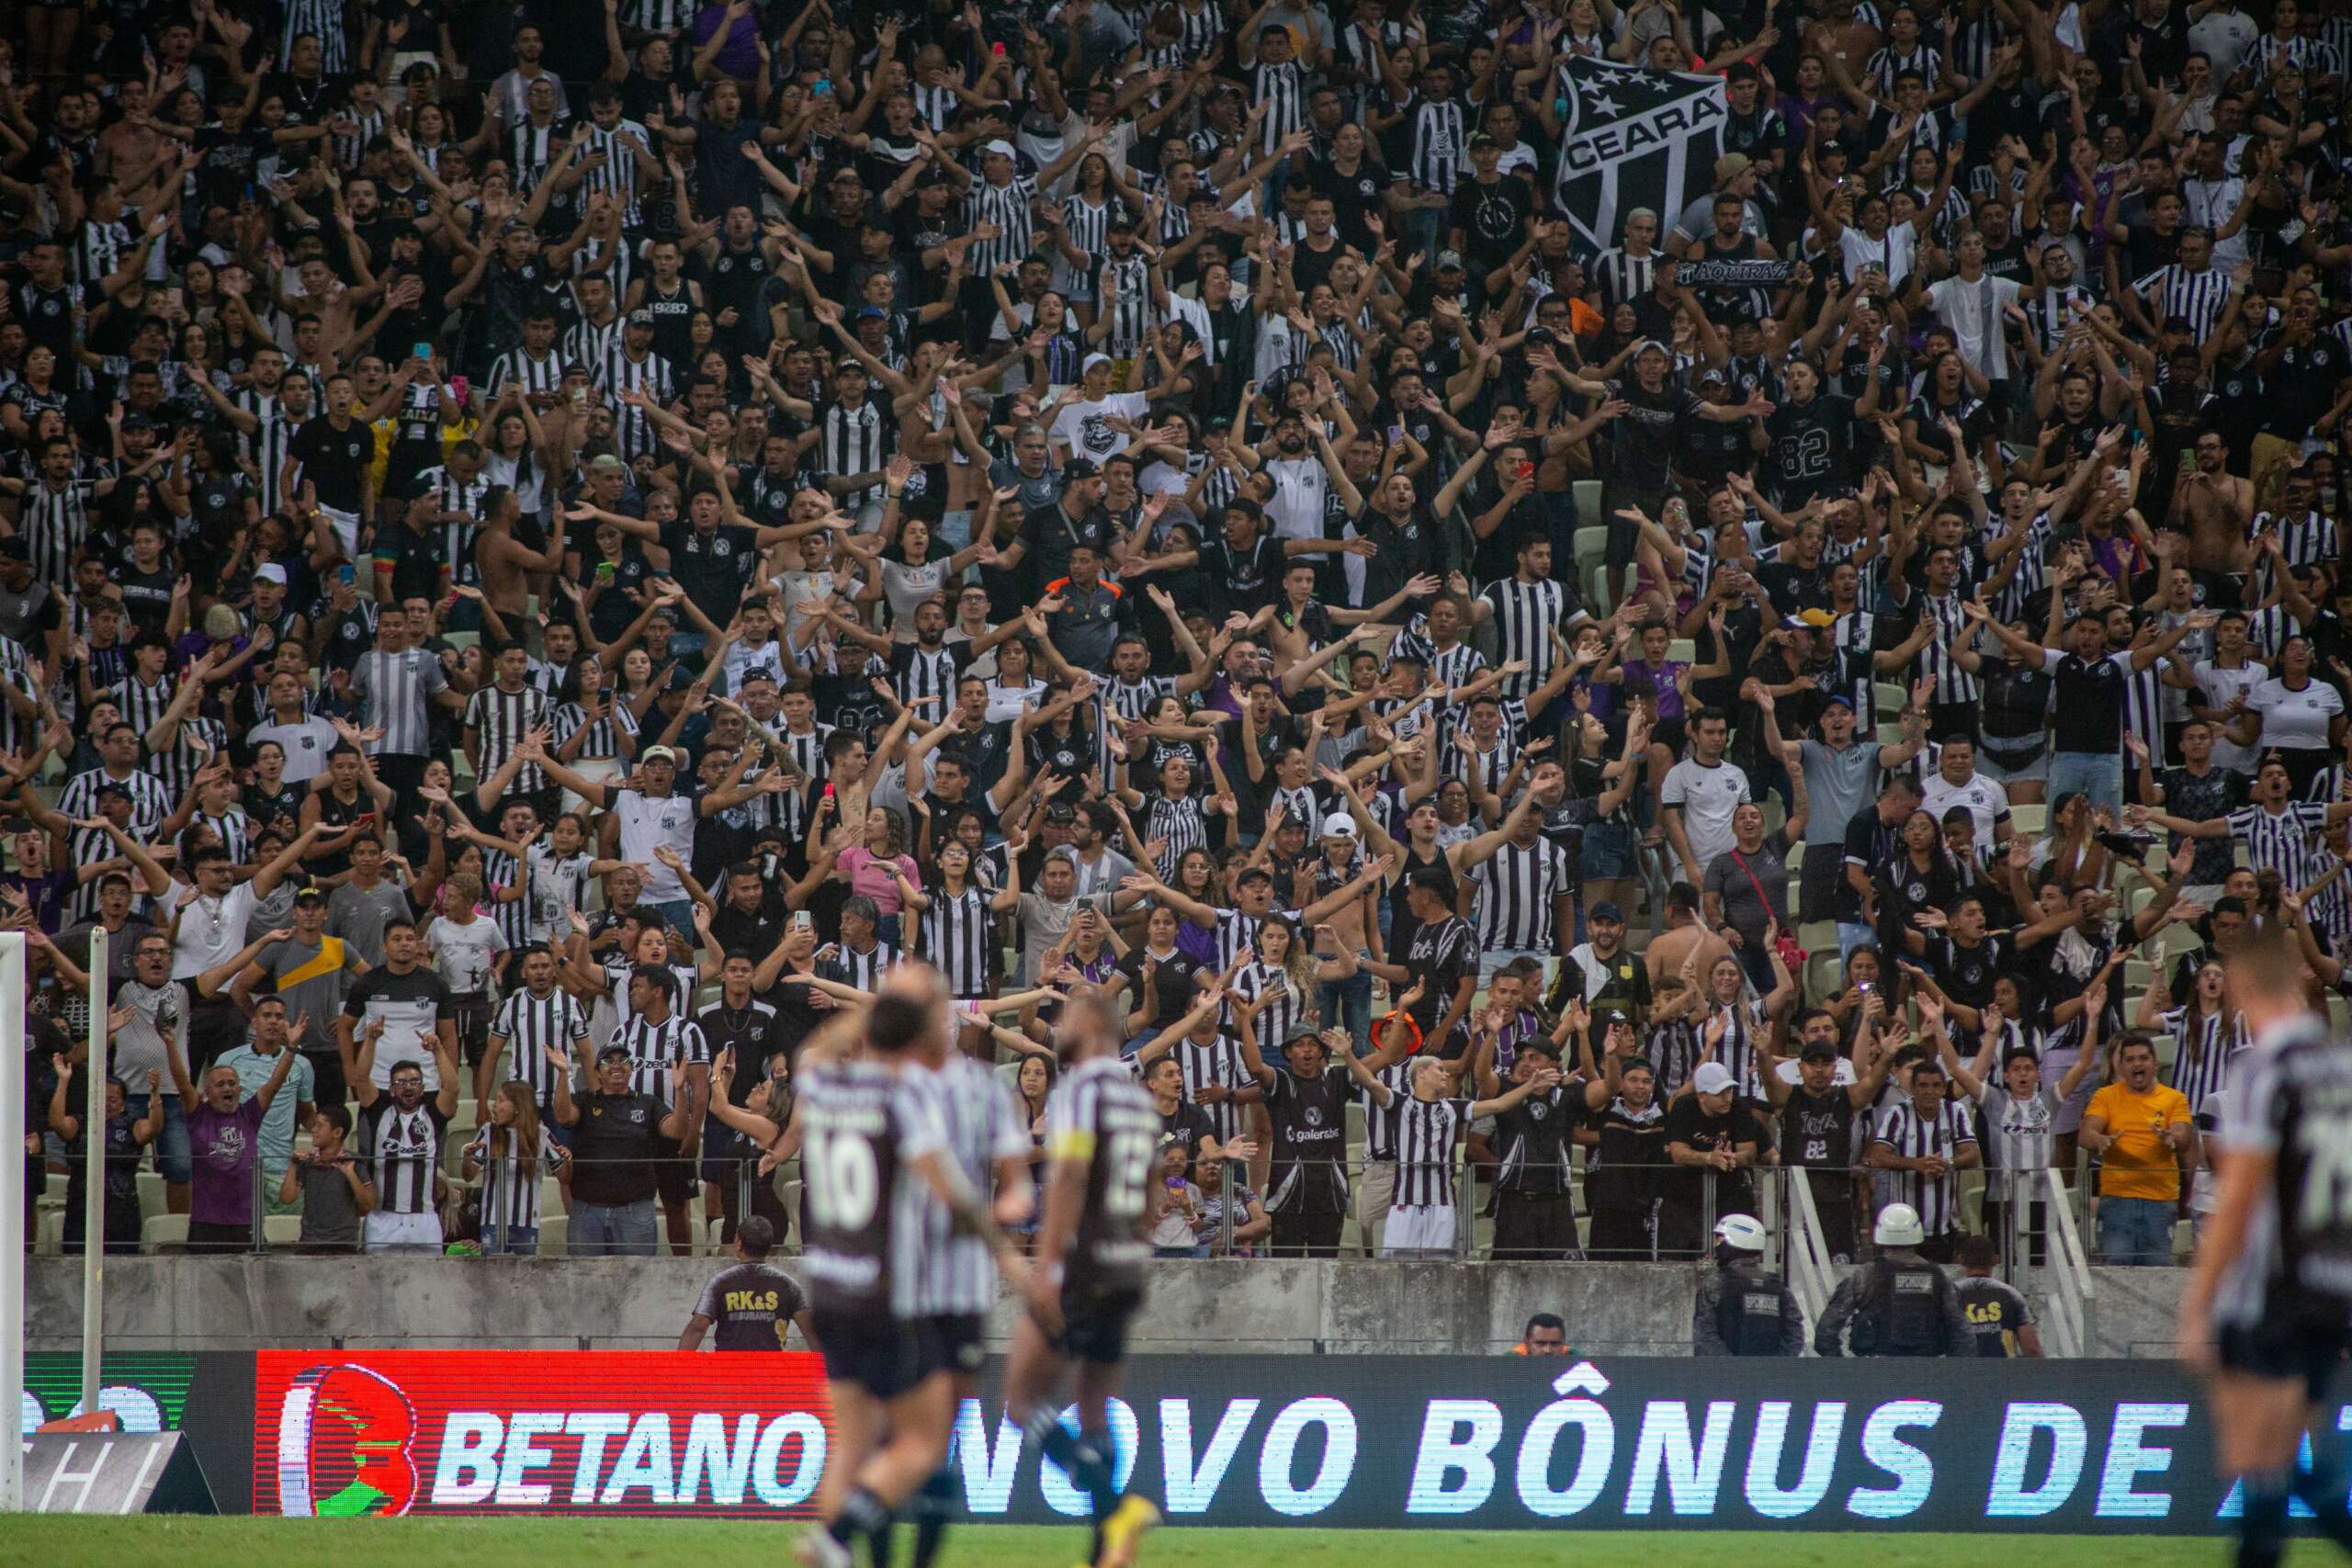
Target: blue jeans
{"points": [[622, 1230], [1347, 1002], [2136, 1231], [172, 1160], [2088, 773], [516, 1241]]}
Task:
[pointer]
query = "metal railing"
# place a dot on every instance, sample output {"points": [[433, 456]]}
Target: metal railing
{"points": [[1805, 1261], [2072, 1295]]}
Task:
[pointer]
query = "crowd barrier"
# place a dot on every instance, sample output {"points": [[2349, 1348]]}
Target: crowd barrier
{"points": [[1491, 1442]]}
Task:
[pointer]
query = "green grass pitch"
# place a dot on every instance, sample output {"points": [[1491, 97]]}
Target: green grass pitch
{"points": [[61, 1542]]}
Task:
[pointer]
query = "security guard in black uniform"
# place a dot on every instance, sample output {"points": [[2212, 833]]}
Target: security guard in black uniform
{"points": [[1899, 1303], [1742, 1310], [753, 1303]]}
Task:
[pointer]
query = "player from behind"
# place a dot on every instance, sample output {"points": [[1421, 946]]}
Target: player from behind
{"points": [[2267, 1316], [871, 1133], [1086, 1282], [956, 1284]]}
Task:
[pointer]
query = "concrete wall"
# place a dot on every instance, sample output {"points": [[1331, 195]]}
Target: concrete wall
{"points": [[1260, 1306]]}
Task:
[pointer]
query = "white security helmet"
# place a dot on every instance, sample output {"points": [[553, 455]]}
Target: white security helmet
{"points": [[1898, 1226], [1741, 1231]]}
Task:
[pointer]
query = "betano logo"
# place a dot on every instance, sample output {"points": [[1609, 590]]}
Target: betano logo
{"points": [[342, 1445]]}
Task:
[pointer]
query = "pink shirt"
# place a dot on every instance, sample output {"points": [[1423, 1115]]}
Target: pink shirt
{"points": [[869, 873]]}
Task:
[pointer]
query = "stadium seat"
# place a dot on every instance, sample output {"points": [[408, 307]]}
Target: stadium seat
{"points": [[790, 1197], [555, 1230], [1889, 697], [48, 1236], [2030, 820], [1794, 859], [1591, 543], [150, 1194], [281, 1230], [1684, 650], [163, 1233], [1586, 493], [462, 640]]}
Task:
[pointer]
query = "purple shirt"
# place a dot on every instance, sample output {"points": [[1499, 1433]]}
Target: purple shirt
{"points": [[224, 1149]]}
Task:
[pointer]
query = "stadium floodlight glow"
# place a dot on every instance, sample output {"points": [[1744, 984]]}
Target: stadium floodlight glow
{"points": [[12, 1211]]}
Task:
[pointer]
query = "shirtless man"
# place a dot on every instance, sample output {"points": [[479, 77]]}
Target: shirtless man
{"points": [[504, 560], [2216, 507]]}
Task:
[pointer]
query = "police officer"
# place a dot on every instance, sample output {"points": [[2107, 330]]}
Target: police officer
{"points": [[752, 1303], [1742, 1310], [1897, 1304]]}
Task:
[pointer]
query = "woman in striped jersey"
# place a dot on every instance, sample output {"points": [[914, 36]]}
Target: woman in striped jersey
{"points": [[509, 1155], [2207, 1032], [956, 929], [1277, 990]]}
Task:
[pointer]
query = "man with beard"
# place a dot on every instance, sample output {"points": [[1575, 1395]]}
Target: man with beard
{"points": [[401, 1131]]}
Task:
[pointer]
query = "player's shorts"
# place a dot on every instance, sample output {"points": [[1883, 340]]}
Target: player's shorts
{"points": [[2294, 1342], [673, 1178], [883, 1355], [1095, 1327], [959, 1337]]}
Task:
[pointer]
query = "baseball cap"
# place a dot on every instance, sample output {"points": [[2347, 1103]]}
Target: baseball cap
{"points": [[1079, 469], [871, 313], [1795, 624], [1091, 360], [1338, 825], [1606, 910], [1480, 141], [1712, 1077], [1651, 345], [1713, 375], [1731, 165], [1448, 259], [1061, 812], [640, 317], [1838, 699], [310, 896], [137, 421], [270, 571], [610, 1053], [1000, 147], [658, 755]]}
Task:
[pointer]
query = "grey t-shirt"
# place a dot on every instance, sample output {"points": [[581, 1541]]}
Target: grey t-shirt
{"points": [[358, 916], [1837, 785], [311, 980], [1746, 912], [330, 1208]]}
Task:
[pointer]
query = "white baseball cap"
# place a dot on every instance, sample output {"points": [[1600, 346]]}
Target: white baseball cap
{"points": [[1712, 1077], [1338, 825]]}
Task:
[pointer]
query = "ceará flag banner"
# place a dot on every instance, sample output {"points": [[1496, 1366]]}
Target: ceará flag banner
{"points": [[350, 1433]]}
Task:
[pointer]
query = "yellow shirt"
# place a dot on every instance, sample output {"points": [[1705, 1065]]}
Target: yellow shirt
{"points": [[2139, 1163]]}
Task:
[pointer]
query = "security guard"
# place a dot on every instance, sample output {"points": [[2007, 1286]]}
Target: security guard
{"points": [[752, 1303], [1741, 1309], [1897, 1304]]}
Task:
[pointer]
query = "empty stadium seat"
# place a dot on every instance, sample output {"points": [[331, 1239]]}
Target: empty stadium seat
{"points": [[1684, 650], [2030, 820], [163, 1233], [48, 1235], [555, 1232], [281, 1230]]}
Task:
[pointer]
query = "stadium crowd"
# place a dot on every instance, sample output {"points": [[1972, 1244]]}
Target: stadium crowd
{"points": [[542, 543]]}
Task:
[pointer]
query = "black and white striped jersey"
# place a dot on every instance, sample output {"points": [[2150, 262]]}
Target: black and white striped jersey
{"points": [[1621, 276], [2286, 842], [1280, 91], [54, 522], [502, 720], [403, 1149], [2174, 290], [1287, 1006], [519, 370], [863, 1127], [1441, 146], [1126, 302], [1525, 615], [510, 1183], [451, 493], [273, 432], [142, 703], [651, 376], [660, 1052], [96, 250], [1516, 890], [1215, 1061], [983, 1124], [619, 174], [1428, 1131], [958, 937], [530, 149], [2204, 1050], [592, 346], [602, 742], [1902, 1129], [1098, 1113], [852, 441], [530, 1023], [1007, 207], [863, 970], [1180, 823]]}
